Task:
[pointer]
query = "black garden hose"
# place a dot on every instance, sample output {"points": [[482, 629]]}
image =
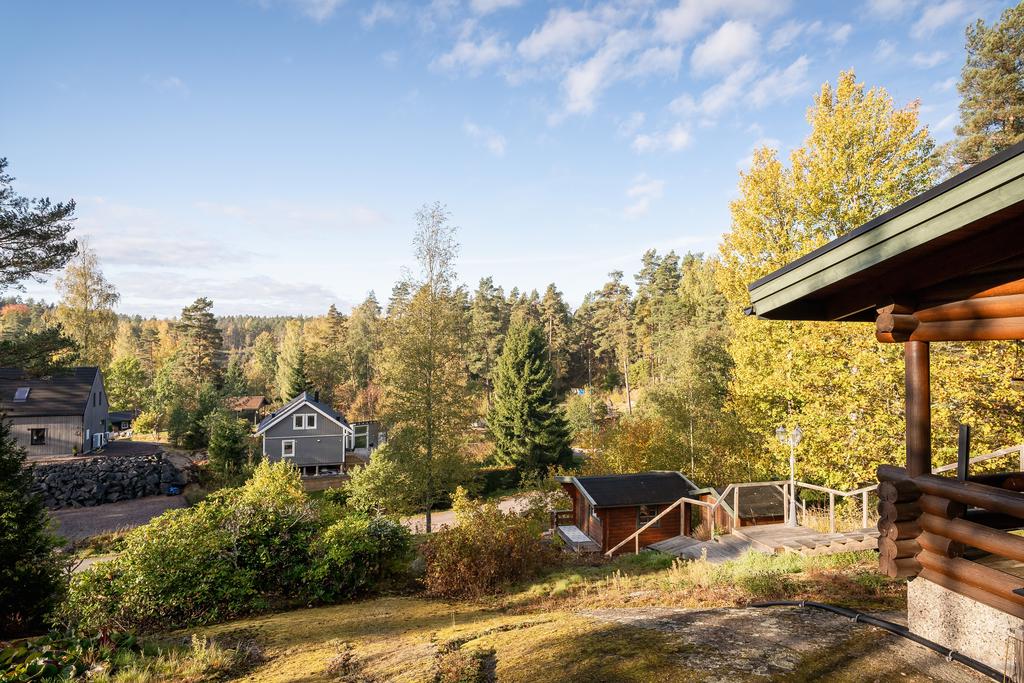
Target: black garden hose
{"points": [[891, 627]]}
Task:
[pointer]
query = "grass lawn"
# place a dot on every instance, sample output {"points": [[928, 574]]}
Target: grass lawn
{"points": [[552, 629]]}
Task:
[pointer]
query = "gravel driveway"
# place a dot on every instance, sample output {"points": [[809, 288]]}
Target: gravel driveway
{"points": [[75, 524], [445, 518]]}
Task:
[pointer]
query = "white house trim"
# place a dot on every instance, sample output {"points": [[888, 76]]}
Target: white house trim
{"points": [[285, 442], [306, 404]]}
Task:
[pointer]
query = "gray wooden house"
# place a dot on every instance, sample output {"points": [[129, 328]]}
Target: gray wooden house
{"points": [[60, 414], [315, 438]]}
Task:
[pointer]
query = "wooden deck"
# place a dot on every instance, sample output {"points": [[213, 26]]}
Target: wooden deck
{"points": [[769, 539]]}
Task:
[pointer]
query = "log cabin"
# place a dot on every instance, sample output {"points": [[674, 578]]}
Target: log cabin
{"points": [[945, 267]]}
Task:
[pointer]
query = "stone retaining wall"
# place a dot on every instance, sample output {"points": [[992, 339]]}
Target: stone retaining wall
{"points": [[97, 480]]}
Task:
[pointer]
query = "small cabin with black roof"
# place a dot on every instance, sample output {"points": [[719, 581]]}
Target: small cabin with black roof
{"points": [[607, 509]]}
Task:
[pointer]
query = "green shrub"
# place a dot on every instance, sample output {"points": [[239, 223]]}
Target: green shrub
{"points": [[486, 550], [229, 442], [497, 478], [60, 657], [354, 554], [238, 551]]}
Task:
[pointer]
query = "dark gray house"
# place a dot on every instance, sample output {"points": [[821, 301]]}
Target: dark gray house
{"points": [[60, 414], [313, 437]]}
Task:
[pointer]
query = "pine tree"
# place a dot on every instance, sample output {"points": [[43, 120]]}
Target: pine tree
{"points": [[291, 363], [363, 344], [613, 327], [33, 242], [488, 324], [992, 88], [556, 325], [30, 568], [529, 429], [201, 344]]}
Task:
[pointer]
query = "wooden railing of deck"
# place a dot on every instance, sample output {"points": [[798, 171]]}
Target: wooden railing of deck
{"points": [[635, 536], [928, 522]]}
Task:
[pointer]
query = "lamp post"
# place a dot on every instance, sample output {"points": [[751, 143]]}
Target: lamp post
{"points": [[793, 439]]}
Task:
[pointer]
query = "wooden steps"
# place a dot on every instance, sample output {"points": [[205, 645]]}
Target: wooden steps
{"points": [[770, 539]]}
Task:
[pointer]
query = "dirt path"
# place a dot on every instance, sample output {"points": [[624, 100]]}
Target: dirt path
{"points": [[77, 523], [445, 518]]}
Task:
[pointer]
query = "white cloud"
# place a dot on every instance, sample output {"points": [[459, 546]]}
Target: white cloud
{"points": [[946, 123], [841, 34], [491, 140], [927, 60], [643, 191], [784, 35], [564, 32], [632, 123], [489, 6], [319, 10], [723, 95], [390, 57], [474, 56], [935, 17], [655, 60], [672, 140], [889, 9], [884, 50], [781, 84], [946, 85], [689, 17], [172, 84], [380, 12], [585, 81], [734, 41]]}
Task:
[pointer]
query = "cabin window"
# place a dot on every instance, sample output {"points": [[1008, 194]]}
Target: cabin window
{"points": [[646, 513], [37, 437], [362, 436], [288, 449], [311, 421], [298, 421]]}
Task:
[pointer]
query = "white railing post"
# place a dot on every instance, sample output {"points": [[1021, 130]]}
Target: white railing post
{"points": [[785, 503], [864, 510], [736, 508]]}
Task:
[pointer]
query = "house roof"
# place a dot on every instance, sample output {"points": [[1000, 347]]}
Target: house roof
{"points": [[622, 490], [931, 239], [239, 403], [63, 393], [303, 399], [123, 415]]}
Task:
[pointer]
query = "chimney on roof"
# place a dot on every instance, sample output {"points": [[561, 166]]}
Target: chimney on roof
{"points": [[316, 396]]}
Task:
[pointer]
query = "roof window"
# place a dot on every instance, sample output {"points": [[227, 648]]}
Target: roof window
{"points": [[21, 394]]}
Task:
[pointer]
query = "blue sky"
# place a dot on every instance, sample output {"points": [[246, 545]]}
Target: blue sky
{"points": [[271, 154]]}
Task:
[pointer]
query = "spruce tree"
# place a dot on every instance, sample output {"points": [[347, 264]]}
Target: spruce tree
{"points": [[202, 345], [30, 568], [296, 380], [529, 429]]}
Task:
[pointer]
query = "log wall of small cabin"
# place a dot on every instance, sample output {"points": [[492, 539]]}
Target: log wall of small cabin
{"points": [[619, 523]]}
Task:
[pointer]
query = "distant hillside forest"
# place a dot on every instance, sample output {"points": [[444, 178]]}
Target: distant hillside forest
{"points": [[674, 375]]}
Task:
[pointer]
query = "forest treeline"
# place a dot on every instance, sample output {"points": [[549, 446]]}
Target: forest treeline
{"points": [[658, 369]]}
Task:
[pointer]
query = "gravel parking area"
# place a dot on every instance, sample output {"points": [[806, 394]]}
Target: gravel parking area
{"points": [[75, 524]]}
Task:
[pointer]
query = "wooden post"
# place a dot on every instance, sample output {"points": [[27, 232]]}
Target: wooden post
{"points": [[963, 452], [831, 512], [918, 390], [735, 508], [864, 510], [637, 540]]}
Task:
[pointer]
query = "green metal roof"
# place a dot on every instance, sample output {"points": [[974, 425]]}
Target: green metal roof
{"points": [[848, 277]]}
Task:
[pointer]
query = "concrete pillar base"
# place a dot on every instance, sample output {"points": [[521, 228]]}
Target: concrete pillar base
{"points": [[960, 623]]}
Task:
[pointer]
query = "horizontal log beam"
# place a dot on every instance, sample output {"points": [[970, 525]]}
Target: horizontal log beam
{"points": [[941, 507], [993, 581], [1009, 306], [899, 567], [907, 547], [896, 323], [974, 535], [970, 493], [963, 588], [898, 531], [892, 473], [899, 491], [960, 330], [940, 545]]}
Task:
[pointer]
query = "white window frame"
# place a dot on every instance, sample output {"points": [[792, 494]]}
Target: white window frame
{"points": [[303, 421], [285, 442], [356, 435]]}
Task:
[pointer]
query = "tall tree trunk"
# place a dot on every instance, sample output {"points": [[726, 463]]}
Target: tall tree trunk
{"points": [[629, 399], [428, 519]]}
